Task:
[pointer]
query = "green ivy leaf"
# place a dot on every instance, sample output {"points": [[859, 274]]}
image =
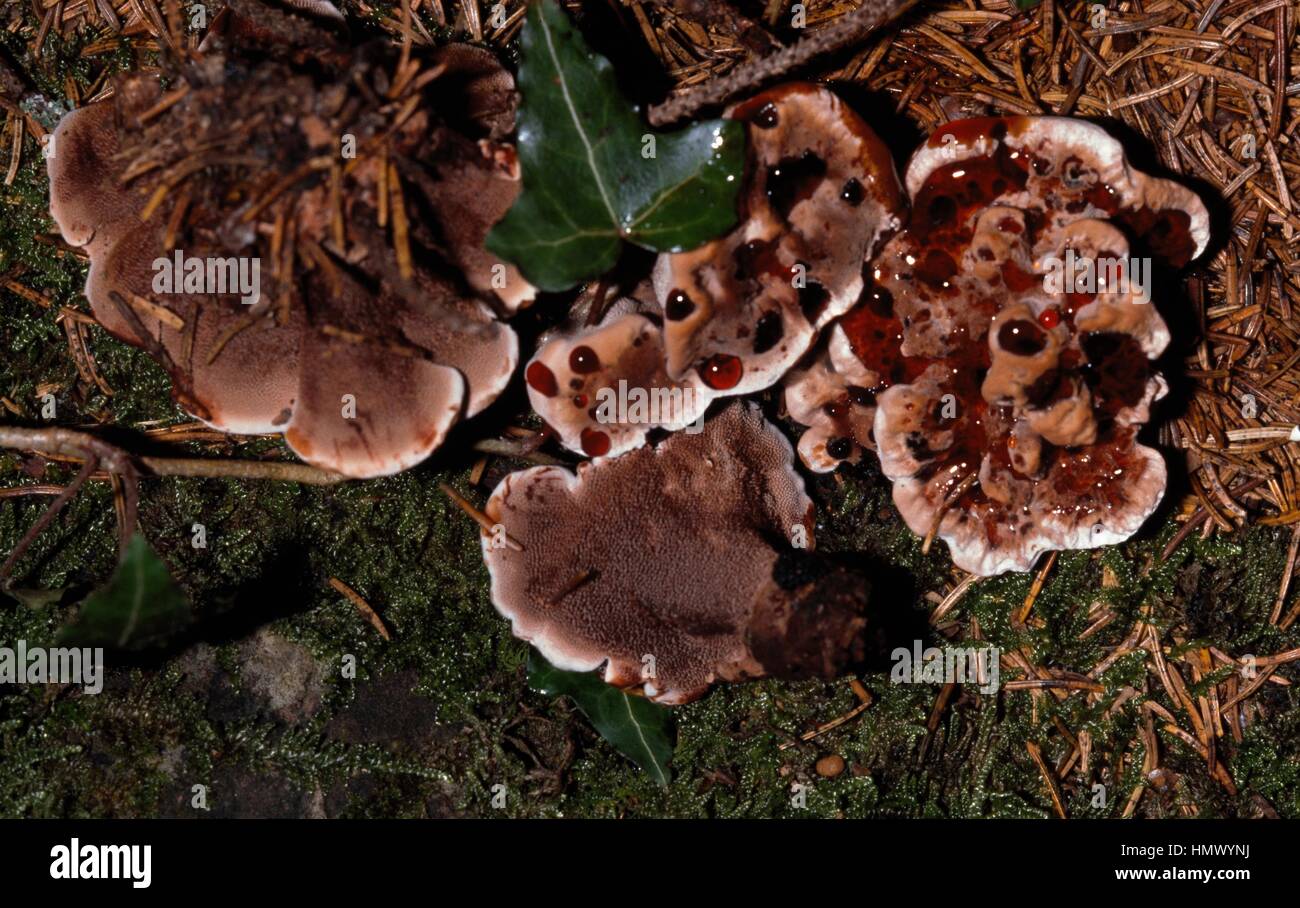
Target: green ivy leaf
{"points": [[639, 729], [141, 604], [1027, 4], [588, 184]]}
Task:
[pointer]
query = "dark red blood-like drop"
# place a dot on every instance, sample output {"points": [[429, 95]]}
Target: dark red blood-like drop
{"points": [[852, 192], [1021, 337], [812, 300], [722, 371], [767, 116], [937, 268], [879, 300], [1049, 318], [794, 179], [541, 379], [583, 360], [862, 397], [595, 443], [838, 407], [768, 332], [678, 306]]}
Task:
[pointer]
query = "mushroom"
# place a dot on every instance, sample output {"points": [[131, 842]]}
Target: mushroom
{"points": [[821, 192], [1022, 370], [676, 565], [601, 389], [732, 316], [371, 332], [835, 395], [322, 8]]}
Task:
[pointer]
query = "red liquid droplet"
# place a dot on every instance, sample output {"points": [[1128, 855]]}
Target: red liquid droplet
{"points": [[837, 408], [767, 116], [678, 306], [721, 372], [594, 442], [541, 379], [580, 401], [1021, 337], [853, 192], [1049, 318], [583, 360]]}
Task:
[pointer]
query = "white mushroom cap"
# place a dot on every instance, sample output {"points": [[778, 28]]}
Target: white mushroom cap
{"points": [[602, 389]]}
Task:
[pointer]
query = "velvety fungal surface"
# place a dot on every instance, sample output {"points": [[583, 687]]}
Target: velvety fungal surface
{"points": [[663, 565]]}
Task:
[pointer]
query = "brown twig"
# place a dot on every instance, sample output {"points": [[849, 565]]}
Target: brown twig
{"points": [[93, 452], [361, 605], [843, 31]]}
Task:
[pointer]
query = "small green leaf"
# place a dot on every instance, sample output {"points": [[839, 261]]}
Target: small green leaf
{"points": [[588, 182], [1027, 4], [139, 605], [639, 729]]}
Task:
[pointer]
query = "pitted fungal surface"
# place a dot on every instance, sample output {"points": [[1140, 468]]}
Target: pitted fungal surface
{"points": [[361, 357], [658, 565], [1009, 396], [734, 315]]}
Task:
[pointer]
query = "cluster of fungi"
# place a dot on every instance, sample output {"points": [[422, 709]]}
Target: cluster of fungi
{"points": [[374, 329], [734, 315], [915, 320], [1011, 332]]}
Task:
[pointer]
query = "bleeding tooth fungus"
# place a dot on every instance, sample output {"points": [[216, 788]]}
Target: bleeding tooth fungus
{"points": [[1006, 342]]}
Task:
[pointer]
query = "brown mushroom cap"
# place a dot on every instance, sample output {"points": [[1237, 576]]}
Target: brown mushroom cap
{"points": [[85, 201], [364, 368], [233, 369], [482, 90], [669, 552], [1009, 407], [472, 187], [323, 8], [821, 191]]}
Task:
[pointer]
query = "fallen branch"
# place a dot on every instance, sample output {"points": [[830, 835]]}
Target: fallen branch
{"points": [[74, 444], [208, 468], [846, 29], [94, 453]]}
